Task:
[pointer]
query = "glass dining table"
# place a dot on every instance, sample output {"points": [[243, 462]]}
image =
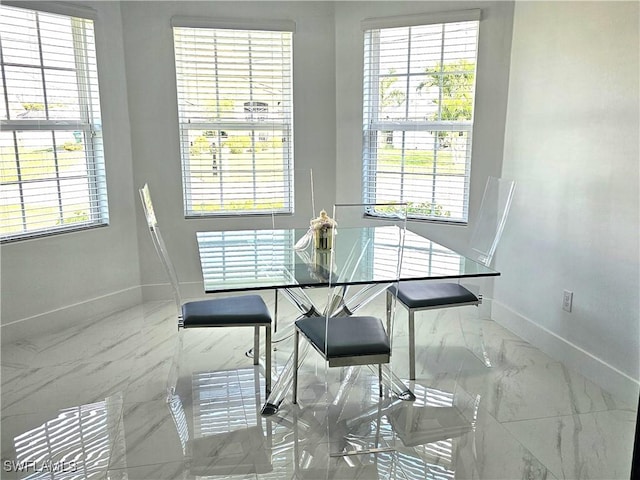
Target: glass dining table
{"points": [[243, 260]]}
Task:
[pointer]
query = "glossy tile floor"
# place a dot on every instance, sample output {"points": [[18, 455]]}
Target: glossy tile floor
{"points": [[90, 402]]}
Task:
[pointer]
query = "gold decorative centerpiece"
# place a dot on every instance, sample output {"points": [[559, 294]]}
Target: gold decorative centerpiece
{"points": [[322, 228]]}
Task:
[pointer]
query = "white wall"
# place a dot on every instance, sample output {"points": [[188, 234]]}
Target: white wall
{"points": [[46, 274], [151, 83], [141, 140], [490, 105], [572, 144]]}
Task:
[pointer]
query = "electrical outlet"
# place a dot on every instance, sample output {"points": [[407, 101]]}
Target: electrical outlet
{"points": [[567, 300]]}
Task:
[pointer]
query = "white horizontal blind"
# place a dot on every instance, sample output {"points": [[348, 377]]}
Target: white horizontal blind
{"points": [[235, 113], [419, 87], [51, 154]]}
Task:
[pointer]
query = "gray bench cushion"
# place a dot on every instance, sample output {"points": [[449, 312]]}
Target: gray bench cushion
{"points": [[348, 336], [222, 312], [419, 294]]}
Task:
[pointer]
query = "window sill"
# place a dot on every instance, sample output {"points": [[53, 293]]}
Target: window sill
{"points": [[40, 235]]}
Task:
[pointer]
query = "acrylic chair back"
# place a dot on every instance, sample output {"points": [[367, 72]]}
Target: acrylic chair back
{"points": [[357, 256], [494, 209], [362, 252], [158, 243], [303, 202]]}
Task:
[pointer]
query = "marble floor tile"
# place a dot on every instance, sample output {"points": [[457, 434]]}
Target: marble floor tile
{"points": [[75, 442], [148, 379], [443, 433], [541, 391], [105, 382], [595, 445], [63, 386], [113, 337], [18, 355], [524, 383], [149, 434], [159, 471], [14, 427]]}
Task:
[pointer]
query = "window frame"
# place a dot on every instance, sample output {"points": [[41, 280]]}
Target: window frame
{"points": [[89, 123], [375, 130], [252, 123]]}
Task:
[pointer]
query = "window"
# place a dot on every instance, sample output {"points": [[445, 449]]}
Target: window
{"points": [[235, 114], [51, 156], [419, 85]]}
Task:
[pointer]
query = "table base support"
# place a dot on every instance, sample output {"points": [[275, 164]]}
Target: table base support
{"points": [[285, 382]]}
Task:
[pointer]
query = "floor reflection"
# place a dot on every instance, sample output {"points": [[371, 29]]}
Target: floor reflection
{"points": [[223, 435], [216, 417], [528, 417], [80, 442]]}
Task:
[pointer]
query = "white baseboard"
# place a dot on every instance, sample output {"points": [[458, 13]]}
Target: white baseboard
{"points": [[55, 320], [595, 369]]}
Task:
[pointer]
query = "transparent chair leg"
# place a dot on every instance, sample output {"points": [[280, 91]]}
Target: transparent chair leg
{"points": [[349, 376], [361, 434], [397, 386], [174, 368], [474, 339], [355, 445], [285, 381], [282, 385]]}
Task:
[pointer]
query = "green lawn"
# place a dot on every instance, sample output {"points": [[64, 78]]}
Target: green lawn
{"points": [[419, 161], [39, 164], [35, 165], [236, 168], [389, 159], [264, 160], [38, 217], [241, 205]]}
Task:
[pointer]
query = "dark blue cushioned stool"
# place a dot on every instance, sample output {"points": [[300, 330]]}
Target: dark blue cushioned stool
{"points": [[349, 341]]}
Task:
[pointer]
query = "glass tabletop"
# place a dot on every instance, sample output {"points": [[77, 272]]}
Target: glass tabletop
{"points": [[266, 259]]}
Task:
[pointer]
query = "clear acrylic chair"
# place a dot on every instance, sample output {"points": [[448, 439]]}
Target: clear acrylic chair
{"points": [[345, 340], [238, 311], [427, 295]]}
